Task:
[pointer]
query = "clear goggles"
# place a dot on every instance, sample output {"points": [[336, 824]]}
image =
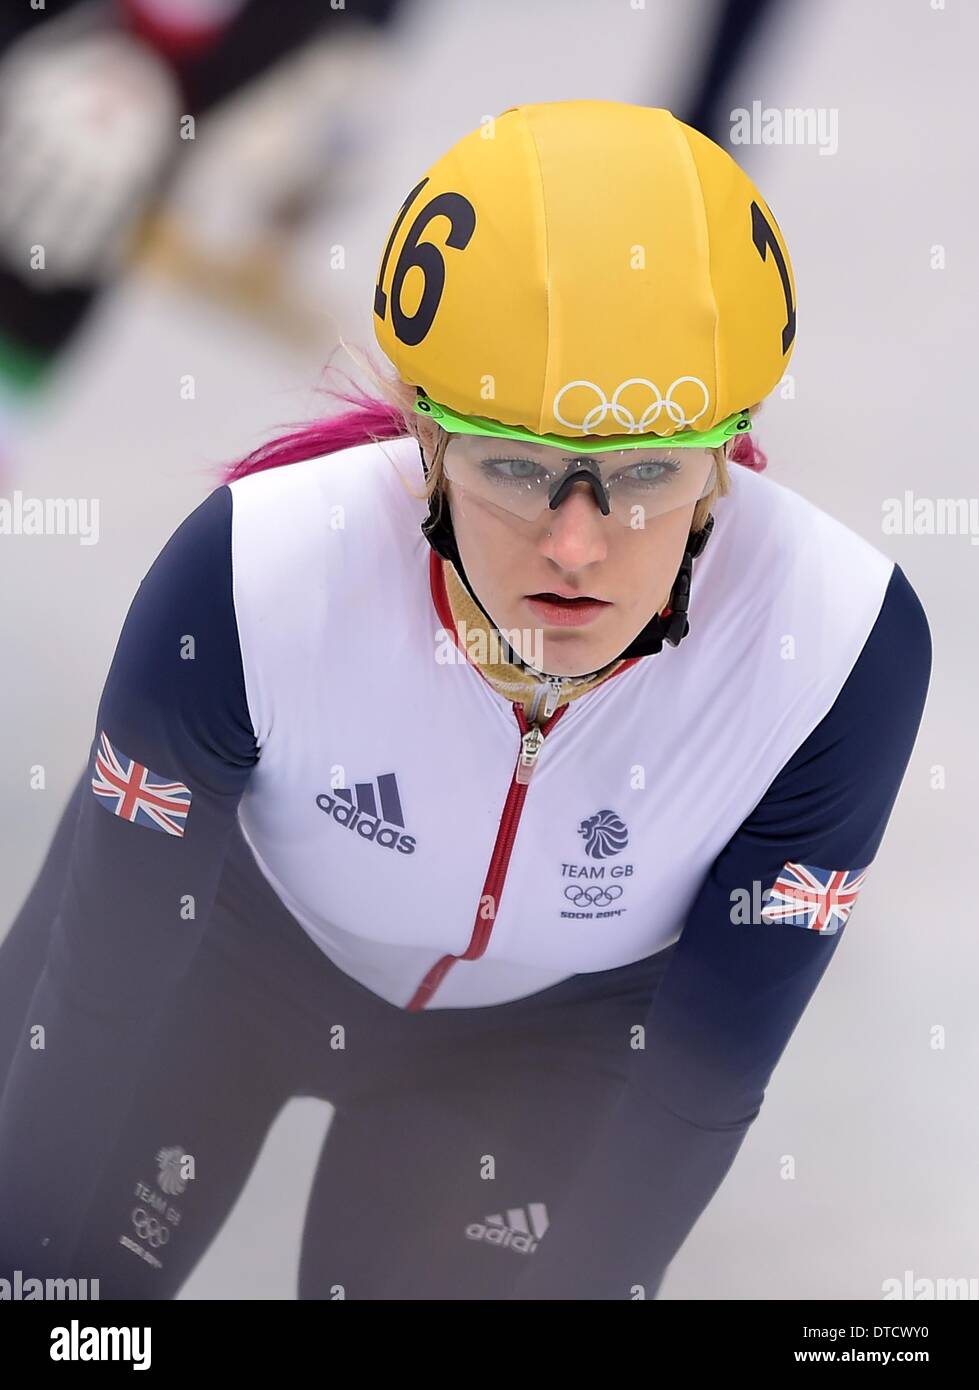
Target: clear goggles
{"points": [[510, 475]]}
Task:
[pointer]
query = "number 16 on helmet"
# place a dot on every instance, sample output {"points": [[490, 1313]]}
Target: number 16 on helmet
{"points": [[587, 269]]}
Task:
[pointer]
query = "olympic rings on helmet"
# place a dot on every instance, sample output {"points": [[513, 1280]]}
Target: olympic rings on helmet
{"points": [[624, 416]]}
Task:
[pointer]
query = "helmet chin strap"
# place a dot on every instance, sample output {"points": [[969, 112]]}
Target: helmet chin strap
{"points": [[671, 625]]}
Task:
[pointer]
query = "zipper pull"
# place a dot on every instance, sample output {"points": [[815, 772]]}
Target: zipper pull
{"points": [[530, 745], [553, 695]]}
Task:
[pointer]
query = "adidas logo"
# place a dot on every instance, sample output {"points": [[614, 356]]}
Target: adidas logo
{"points": [[516, 1232], [361, 815]]}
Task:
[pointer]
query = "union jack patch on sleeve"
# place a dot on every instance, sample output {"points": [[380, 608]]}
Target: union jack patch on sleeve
{"points": [[819, 899], [126, 788]]}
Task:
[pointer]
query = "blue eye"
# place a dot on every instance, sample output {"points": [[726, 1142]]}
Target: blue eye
{"points": [[493, 469], [665, 471], [520, 472]]}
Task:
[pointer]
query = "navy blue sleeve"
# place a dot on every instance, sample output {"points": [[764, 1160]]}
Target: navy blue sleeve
{"points": [[172, 750], [740, 980]]}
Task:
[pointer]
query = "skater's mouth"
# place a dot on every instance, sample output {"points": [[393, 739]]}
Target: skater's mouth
{"points": [[556, 609], [566, 596]]}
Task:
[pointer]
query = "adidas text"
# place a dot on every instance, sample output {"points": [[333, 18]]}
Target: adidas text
{"points": [[367, 827], [502, 1236]]}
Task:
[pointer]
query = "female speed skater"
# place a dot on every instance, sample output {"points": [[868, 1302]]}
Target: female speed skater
{"points": [[494, 761]]}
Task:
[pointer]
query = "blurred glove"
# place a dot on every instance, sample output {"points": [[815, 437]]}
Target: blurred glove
{"points": [[88, 122], [262, 158]]}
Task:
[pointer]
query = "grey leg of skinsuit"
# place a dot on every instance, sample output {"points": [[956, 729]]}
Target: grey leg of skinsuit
{"points": [[403, 1205], [228, 1055], [211, 1090], [219, 1069], [25, 946], [399, 1196]]}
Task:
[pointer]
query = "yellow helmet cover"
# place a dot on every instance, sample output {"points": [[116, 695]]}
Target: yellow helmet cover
{"points": [[587, 267]]}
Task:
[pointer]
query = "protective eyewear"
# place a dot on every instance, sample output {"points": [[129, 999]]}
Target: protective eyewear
{"points": [[505, 476]]}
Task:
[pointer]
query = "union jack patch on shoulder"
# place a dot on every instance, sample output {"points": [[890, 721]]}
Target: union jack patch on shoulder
{"points": [[818, 899], [129, 789]]}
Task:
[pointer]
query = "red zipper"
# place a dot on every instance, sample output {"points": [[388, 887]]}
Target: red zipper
{"points": [[512, 807], [496, 874]]}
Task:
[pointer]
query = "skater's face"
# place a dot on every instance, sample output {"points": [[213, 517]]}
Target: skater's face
{"points": [[510, 558]]}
